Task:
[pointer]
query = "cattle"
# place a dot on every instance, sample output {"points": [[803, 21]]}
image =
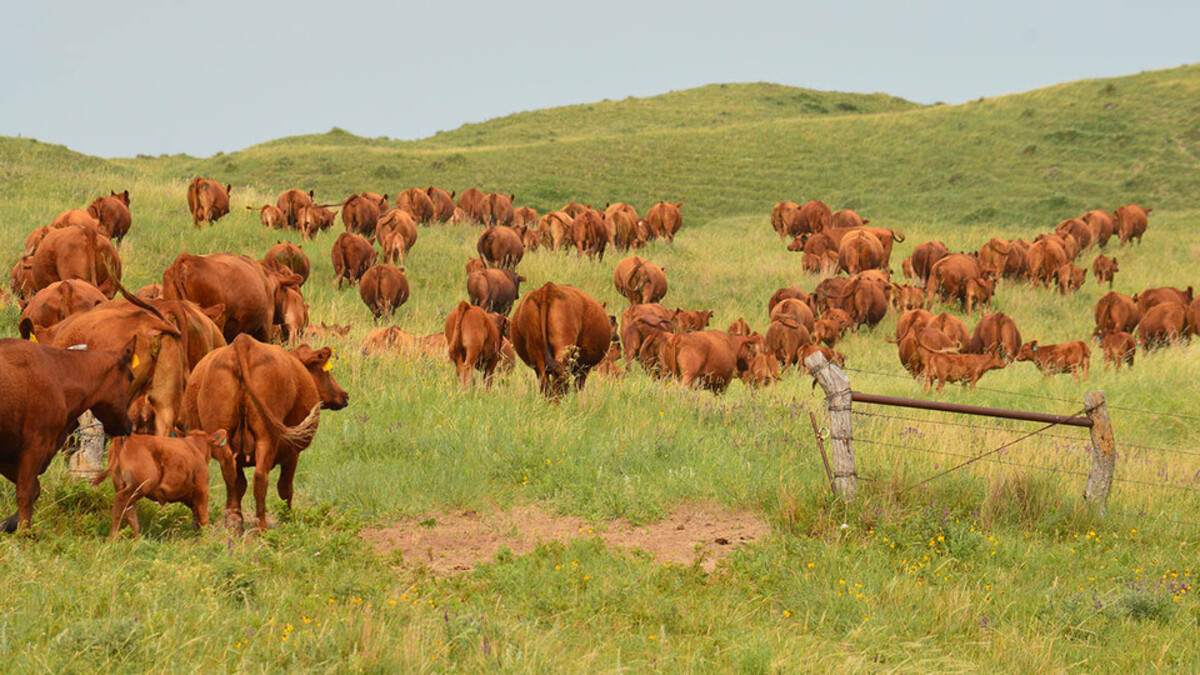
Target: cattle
{"points": [[142, 416], [905, 298], [475, 265], [640, 281], [784, 338], [396, 233], [830, 293], [471, 202], [796, 309], [113, 214], [252, 296], [554, 228], [360, 215], [790, 292], [1101, 224], [966, 368], [785, 219], [1116, 312], [825, 331], [352, 256], [1069, 245], [847, 218], [739, 327], [1070, 278], [1119, 348], [858, 251], [1104, 269], [75, 218], [763, 371], [665, 220], [417, 203], [494, 290], [644, 232], [524, 216], [56, 302], [865, 300], [42, 395], [638, 322], [270, 216], [996, 329], [834, 357], [149, 292], [285, 254], [383, 289], [561, 333], [208, 201], [292, 321], [164, 470], [76, 253], [290, 202], [1150, 297], [387, 338], [269, 399], [621, 221], [529, 236], [500, 246], [708, 359], [575, 208], [912, 320], [1016, 266], [1162, 324], [814, 216], [1130, 222], [433, 346], [325, 331], [918, 344], [35, 237], [312, 219], [993, 256], [887, 238], [473, 342], [687, 321], [978, 293], [589, 234], [1078, 230], [953, 328], [498, 210], [443, 203], [1073, 357], [1044, 257]]}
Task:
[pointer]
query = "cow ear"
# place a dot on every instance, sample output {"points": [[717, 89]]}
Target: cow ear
{"points": [[679, 205], [310, 194], [127, 353], [26, 329]]}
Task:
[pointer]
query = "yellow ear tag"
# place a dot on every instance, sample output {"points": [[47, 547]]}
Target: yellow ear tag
{"points": [[134, 363], [32, 337], [328, 366]]}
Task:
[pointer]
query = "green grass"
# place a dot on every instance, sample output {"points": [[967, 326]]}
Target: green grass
{"points": [[994, 567]]}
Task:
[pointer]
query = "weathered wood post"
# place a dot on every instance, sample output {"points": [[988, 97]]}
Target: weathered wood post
{"points": [[837, 407], [1104, 452], [88, 459]]}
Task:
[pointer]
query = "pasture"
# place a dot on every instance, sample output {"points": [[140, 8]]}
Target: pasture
{"points": [[999, 566]]}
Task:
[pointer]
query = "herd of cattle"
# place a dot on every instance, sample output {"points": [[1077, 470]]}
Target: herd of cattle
{"points": [[196, 367]]}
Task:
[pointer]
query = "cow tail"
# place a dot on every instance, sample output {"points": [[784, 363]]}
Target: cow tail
{"points": [[114, 450], [454, 335], [553, 367], [91, 244], [301, 433]]}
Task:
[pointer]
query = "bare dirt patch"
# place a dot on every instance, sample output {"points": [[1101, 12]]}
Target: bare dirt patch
{"points": [[450, 543]]}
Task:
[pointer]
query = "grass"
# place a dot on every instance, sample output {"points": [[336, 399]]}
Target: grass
{"points": [[994, 567]]}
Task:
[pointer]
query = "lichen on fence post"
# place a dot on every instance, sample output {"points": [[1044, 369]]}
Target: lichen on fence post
{"points": [[1104, 452], [837, 406]]}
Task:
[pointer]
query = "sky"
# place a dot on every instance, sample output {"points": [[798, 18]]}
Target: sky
{"points": [[117, 79]]}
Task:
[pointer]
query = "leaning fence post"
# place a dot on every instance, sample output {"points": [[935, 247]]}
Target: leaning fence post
{"points": [[837, 405], [1104, 451]]}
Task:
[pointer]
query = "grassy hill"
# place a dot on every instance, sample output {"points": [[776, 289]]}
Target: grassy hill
{"points": [[997, 567]]}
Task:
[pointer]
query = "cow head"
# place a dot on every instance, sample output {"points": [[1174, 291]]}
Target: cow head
{"points": [[319, 365]]}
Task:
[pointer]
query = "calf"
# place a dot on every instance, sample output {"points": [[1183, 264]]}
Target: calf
{"points": [[1073, 357], [978, 293], [383, 289], [960, 367], [352, 256], [473, 342], [1104, 268], [165, 470], [1119, 347], [763, 371], [1070, 278]]}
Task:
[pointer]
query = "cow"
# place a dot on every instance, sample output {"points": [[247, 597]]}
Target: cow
{"points": [[387, 338], [575, 208], [150, 292], [208, 201], [164, 470], [826, 331], [589, 234], [953, 328], [360, 215], [785, 219], [790, 292], [42, 395], [821, 254], [1150, 297], [471, 202], [993, 256], [292, 321], [383, 289], [687, 321], [325, 331], [847, 218], [352, 256], [287, 255], [906, 297], [1100, 222], [1193, 317], [814, 216], [56, 302], [251, 295], [269, 399], [911, 320], [554, 228], [290, 202], [500, 246], [917, 344], [1078, 230], [739, 327], [887, 238], [1069, 245], [1104, 269], [1116, 312], [1119, 348], [621, 220], [1162, 324], [561, 333], [443, 203], [524, 216], [996, 329], [270, 216], [1130, 222], [966, 368], [473, 342], [1070, 278], [785, 336], [1016, 266], [763, 371], [312, 219], [665, 220], [113, 214], [433, 346], [865, 300], [640, 281], [1073, 357], [396, 233], [418, 204], [74, 218], [796, 309], [858, 251], [498, 210], [494, 290], [1044, 258], [76, 253], [640, 322], [830, 293], [708, 359]]}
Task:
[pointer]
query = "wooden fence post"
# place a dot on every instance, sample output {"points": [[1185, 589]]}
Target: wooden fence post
{"points": [[1104, 452], [837, 406]]}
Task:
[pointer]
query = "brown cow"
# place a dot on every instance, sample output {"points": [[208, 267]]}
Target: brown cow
{"points": [[858, 251], [910, 321], [1119, 348], [687, 321], [149, 292], [56, 302], [785, 336], [887, 238], [865, 300], [74, 218], [325, 331], [1070, 278], [621, 220], [383, 289], [708, 359], [1101, 224], [830, 293], [286, 254], [494, 290], [953, 328], [396, 233], [417, 203], [500, 246], [42, 395], [1193, 317], [959, 368], [443, 203], [524, 216], [252, 296], [270, 399], [312, 219], [1150, 297], [789, 292], [433, 346], [1073, 357], [498, 210], [1162, 324], [814, 216], [1116, 312], [143, 417], [388, 338], [796, 309], [76, 253], [1044, 258], [639, 321], [292, 321], [575, 208], [978, 293], [208, 200], [763, 371], [360, 215], [739, 327], [561, 333], [270, 216], [1079, 230], [848, 218], [905, 298], [1104, 269], [290, 202], [1069, 245], [473, 342], [993, 256], [665, 220], [589, 234], [555, 229], [996, 329], [1130, 222], [916, 346], [352, 256], [785, 219], [165, 470], [113, 213], [471, 202], [1016, 266], [640, 281]]}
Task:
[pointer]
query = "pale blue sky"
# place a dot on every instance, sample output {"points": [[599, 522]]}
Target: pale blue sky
{"points": [[165, 76]]}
